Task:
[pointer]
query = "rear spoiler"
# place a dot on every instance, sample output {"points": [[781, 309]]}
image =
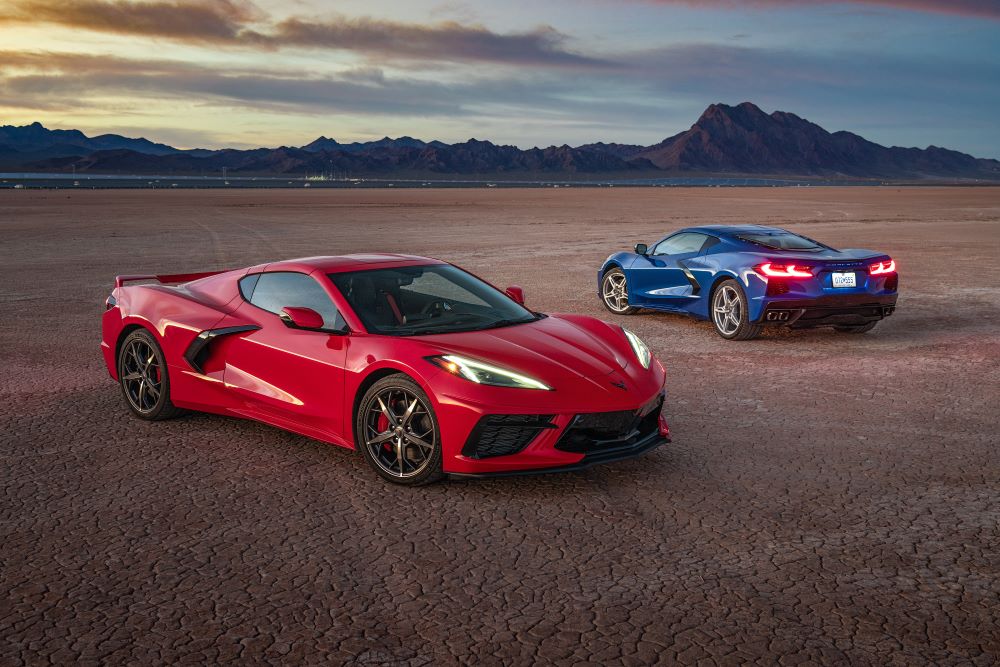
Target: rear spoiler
{"points": [[167, 278]]}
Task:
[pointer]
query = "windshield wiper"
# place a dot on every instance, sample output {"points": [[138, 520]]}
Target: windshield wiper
{"points": [[435, 326], [496, 324], [458, 323]]}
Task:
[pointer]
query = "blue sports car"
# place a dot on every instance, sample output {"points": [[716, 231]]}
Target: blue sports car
{"points": [[746, 277]]}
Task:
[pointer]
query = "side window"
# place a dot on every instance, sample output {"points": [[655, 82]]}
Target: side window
{"points": [[710, 242], [247, 283], [274, 291], [680, 243]]}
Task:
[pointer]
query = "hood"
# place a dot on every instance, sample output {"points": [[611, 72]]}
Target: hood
{"points": [[558, 350]]}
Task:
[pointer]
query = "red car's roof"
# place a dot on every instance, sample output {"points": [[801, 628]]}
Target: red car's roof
{"points": [[340, 263]]}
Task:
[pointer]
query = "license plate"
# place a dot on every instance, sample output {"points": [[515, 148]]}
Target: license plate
{"points": [[845, 280]]}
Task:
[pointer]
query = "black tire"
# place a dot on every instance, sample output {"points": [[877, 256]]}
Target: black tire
{"points": [[143, 377], [736, 324], [856, 329], [417, 464], [614, 281]]}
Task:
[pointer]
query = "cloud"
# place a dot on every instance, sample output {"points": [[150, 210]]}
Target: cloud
{"points": [[981, 8], [734, 72], [661, 86], [222, 20], [239, 23], [50, 77], [441, 41], [47, 80]]}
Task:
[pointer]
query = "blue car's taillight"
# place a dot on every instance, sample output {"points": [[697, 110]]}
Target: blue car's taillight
{"points": [[888, 266], [773, 270]]}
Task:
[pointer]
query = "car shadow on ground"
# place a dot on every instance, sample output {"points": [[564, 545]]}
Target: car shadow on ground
{"points": [[662, 463], [278, 448], [918, 326]]}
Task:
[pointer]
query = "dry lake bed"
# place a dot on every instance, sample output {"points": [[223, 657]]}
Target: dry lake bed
{"points": [[827, 498]]}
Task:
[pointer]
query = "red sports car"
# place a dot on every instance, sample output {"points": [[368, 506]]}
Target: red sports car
{"points": [[425, 368]]}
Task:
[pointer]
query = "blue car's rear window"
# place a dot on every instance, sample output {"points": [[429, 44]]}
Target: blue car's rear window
{"points": [[781, 241]]}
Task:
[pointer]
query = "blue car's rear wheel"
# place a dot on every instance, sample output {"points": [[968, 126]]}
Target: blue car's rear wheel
{"points": [[730, 315], [614, 292]]}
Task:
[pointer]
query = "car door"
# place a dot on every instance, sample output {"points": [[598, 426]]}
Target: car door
{"points": [[661, 278], [289, 377]]}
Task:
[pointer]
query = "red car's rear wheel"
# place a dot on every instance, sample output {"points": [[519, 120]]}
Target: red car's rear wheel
{"points": [[397, 431], [142, 374]]}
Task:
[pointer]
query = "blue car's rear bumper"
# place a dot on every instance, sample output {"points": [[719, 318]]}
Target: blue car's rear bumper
{"points": [[847, 309], [814, 302]]}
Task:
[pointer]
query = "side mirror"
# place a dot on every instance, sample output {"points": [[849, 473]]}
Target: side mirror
{"points": [[641, 249], [516, 293], [301, 318]]}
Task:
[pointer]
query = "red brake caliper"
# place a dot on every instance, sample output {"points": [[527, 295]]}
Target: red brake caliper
{"points": [[382, 426]]}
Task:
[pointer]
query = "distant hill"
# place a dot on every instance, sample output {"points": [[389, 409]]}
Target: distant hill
{"points": [[36, 139], [470, 158], [325, 144], [744, 139], [725, 140]]}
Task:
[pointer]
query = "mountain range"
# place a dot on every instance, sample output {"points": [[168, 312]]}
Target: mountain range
{"points": [[725, 140]]}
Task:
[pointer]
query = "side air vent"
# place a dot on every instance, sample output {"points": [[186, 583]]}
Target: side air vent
{"points": [[197, 351]]}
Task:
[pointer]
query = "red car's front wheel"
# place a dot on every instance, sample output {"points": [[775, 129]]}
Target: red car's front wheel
{"points": [[397, 432]]}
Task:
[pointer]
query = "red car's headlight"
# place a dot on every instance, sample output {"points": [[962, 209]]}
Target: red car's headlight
{"points": [[483, 373], [642, 352], [772, 270], [888, 266]]}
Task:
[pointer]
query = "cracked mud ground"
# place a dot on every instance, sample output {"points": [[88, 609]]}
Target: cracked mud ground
{"points": [[827, 498]]}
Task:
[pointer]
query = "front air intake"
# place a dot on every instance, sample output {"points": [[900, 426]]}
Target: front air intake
{"points": [[501, 435], [599, 431]]}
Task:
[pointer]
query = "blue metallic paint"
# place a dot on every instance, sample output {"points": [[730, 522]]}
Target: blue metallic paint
{"points": [[684, 283]]}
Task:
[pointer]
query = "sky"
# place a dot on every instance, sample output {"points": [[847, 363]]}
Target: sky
{"points": [[247, 73]]}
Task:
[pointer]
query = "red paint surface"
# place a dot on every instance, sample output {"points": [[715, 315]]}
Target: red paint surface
{"points": [[309, 381]]}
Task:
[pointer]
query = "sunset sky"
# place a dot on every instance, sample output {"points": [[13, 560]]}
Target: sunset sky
{"points": [[524, 72]]}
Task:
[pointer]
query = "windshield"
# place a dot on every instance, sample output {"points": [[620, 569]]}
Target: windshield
{"points": [[414, 300], [781, 241]]}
